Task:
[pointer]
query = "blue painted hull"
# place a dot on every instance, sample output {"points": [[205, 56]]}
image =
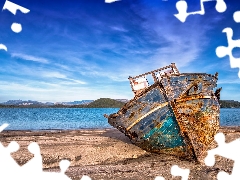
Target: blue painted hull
{"points": [[170, 117]]}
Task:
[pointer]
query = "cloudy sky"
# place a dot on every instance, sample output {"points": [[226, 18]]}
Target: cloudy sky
{"points": [[86, 49]]}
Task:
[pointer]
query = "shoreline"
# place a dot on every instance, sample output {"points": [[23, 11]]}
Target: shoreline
{"points": [[236, 128], [55, 130], [72, 107], [108, 154]]}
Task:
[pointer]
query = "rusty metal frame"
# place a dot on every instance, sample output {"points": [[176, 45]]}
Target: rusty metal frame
{"points": [[191, 100], [171, 66]]}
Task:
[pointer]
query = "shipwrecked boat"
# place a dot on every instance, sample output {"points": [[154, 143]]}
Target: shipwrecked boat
{"points": [[178, 114]]}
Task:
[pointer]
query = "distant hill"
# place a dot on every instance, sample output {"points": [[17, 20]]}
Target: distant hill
{"points": [[111, 103], [99, 103], [229, 104], [82, 102], [20, 102], [105, 103], [36, 103]]}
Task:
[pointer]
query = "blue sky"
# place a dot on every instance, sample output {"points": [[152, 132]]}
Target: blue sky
{"points": [[86, 49]]}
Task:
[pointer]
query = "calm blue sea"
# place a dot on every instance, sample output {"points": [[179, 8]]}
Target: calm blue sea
{"points": [[77, 118]]}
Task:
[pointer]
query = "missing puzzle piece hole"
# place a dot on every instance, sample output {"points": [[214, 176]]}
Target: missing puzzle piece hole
{"points": [[236, 53], [13, 146], [223, 175], [223, 164], [221, 6], [236, 16], [22, 155], [22, 158], [210, 160], [221, 51], [64, 164]]}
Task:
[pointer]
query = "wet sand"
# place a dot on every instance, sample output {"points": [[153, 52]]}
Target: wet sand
{"points": [[108, 154]]}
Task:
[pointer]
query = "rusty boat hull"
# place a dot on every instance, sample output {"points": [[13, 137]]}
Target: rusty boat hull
{"points": [[178, 115]]}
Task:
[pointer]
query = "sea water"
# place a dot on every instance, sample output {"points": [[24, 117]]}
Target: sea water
{"points": [[55, 118], [77, 118]]}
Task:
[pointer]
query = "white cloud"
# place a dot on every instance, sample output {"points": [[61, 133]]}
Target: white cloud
{"points": [[178, 42], [30, 58], [76, 81], [53, 75], [119, 28], [59, 92], [61, 76], [229, 81]]}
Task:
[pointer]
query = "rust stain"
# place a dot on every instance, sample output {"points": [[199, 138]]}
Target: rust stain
{"points": [[178, 114]]}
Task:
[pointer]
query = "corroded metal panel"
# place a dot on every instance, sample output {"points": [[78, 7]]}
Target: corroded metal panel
{"points": [[155, 129], [177, 86], [141, 105], [199, 121], [149, 121], [178, 114]]}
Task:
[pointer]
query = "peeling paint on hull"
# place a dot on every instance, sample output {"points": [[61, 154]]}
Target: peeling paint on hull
{"points": [[178, 115]]}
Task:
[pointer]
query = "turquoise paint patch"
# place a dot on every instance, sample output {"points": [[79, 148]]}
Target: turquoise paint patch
{"points": [[167, 136]]}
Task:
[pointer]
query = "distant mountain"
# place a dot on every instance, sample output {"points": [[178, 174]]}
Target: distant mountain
{"points": [[20, 102], [105, 103], [229, 104], [99, 103], [30, 102], [77, 102]]}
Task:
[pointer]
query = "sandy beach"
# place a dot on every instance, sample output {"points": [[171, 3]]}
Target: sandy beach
{"points": [[108, 154]]}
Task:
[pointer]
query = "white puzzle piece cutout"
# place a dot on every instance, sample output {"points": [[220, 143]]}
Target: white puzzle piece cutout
{"points": [[7, 164], [228, 150], [12, 7], [9, 168], [222, 51], [182, 6], [16, 27], [111, 1], [159, 178], [2, 46], [3, 126], [177, 171]]}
